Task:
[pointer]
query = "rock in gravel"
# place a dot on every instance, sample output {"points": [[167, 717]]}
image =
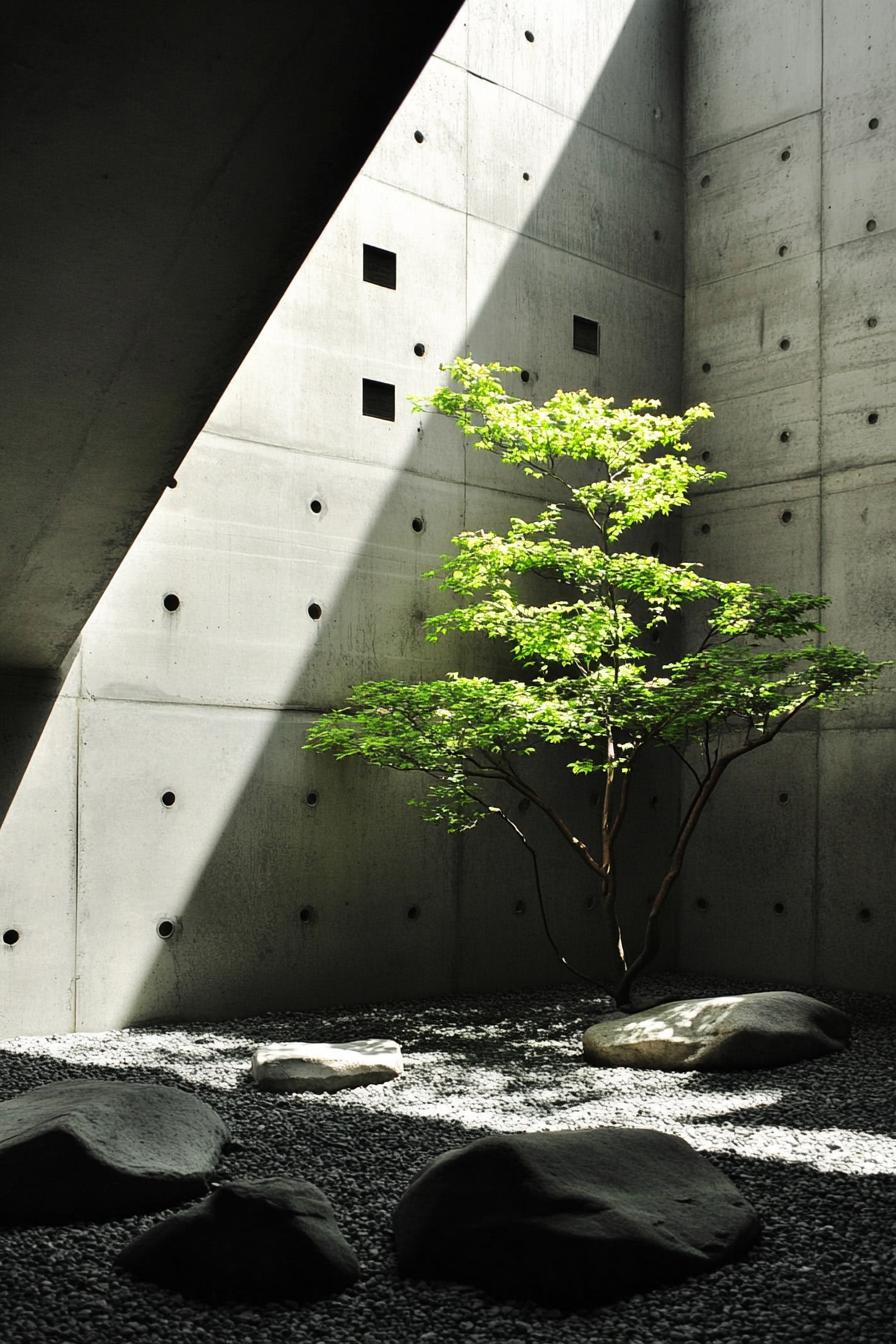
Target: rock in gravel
{"points": [[571, 1218], [257, 1240], [308, 1066], [92, 1148], [740, 1031]]}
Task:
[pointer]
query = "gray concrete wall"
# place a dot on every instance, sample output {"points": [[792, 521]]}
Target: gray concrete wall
{"points": [[789, 333], [173, 165], [547, 183]]}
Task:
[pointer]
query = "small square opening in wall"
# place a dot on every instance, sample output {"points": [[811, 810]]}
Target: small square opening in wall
{"points": [[585, 335], [378, 399], [379, 266]]}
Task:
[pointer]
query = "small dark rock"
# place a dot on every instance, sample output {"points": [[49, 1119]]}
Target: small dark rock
{"points": [[248, 1241]]}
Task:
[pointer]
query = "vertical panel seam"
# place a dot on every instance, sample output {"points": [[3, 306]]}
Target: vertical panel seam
{"points": [[816, 876], [76, 874]]}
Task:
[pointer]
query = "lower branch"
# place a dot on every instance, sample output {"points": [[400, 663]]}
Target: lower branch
{"points": [[589, 979]]}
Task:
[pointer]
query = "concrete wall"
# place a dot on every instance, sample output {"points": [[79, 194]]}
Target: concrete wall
{"points": [[790, 333], [174, 163], [532, 174]]}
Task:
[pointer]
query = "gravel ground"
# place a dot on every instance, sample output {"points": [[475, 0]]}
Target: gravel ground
{"points": [[812, 1146]]}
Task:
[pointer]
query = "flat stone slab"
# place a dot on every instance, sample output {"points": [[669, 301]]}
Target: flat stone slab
{"points": [[93, 1148], [256, 1240], [320, 1066], [739, 1031], [571, 1218]]}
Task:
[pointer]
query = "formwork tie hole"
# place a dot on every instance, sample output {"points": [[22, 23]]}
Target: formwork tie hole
{"points": [[865, 915], [870, 225], [315, 611], [419, 137], [785, 155], [519, 908], [786, 516], [705, 529], [782, 250], [172, 484], [306, 914], [419, 349], [702, 903], [784, 343], [873, 418], [525, 177], [171, 601], [705, 180], [168, 798], [873, 124], [783, 798], [414, 912], [525, 375], [530, 37], [706, 455], [778, 907], [871, 322], [311, 798], [418, 524], [166, 928], [316, 506], [657, 235], [11, 937], [784, 436], [706, 366]]}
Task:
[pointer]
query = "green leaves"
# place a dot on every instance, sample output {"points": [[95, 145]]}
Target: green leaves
{"points": [[577, 617], [457, 731], [641, 467]]}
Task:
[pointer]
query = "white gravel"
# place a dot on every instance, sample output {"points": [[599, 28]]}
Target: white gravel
{"points": [[811, 1145]]}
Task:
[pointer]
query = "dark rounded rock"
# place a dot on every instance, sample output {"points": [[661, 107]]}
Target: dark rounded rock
{"points": [[258, 1240], [571, 1218], [91, 1148]]}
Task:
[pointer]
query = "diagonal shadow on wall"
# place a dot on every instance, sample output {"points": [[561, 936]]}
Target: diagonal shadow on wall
{"points": [[319, 884], [288, 879]]}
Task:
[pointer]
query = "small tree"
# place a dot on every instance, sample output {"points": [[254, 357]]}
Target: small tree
{"points": [[593, 681]]}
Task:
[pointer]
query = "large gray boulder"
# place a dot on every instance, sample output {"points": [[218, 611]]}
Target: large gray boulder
{"points": [[324, 1066], [571, 1218], [255, 1240], [90, 1148], [739, 1031]]}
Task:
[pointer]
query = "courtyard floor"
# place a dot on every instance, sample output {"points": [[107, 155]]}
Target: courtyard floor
{"points": [[812, 1146]]}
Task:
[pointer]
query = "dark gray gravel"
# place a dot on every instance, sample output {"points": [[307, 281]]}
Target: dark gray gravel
{"points": [[812, 1146]]}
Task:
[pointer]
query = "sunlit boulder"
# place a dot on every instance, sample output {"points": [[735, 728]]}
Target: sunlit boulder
{"points": [[317, 1066], [739, 1031]]}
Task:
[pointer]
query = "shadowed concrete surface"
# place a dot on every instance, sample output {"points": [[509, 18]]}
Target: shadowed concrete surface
{"points": [[790, 334], [168, 166]]}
